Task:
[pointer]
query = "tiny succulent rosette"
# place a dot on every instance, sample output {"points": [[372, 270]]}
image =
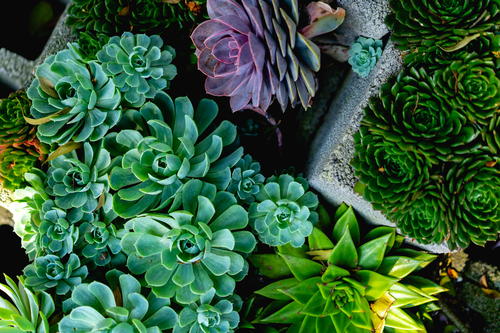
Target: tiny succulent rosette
{"points": [[284, 211], [24, 310], [349, 283], [13, 127], [364, 54], [117, 307], [208, 314], [170, 147], [56, 234], [79, 181], [72, 99], [140, 65], [253, 52], [51, 271], [14, 164], [246, 179], [198, 246]]}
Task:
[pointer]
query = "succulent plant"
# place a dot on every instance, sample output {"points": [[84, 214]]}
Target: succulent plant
{"points": [[79, 181], [349, 283], [50, 271], [199, 245], [139, 65], [284, 211], [73, 100], [246, 179], [252, 51], [204, 316], [472, 190], [117, 307], [13, 127], [171, 146], [26, 311], [90, 43], [449, 25], [364, 54], [14, 164], [56, 234]]}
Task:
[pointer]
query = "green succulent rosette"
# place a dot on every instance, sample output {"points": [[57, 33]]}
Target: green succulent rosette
{"points": [[364, 54], [246, 179], [208, 315], [14, 164], [449, 25], [119, 306], [79, 181], [51, 271], [90, 43], [472, 189], [284, 211], [24, 310], [13, 127], [348, 283], [72, 99], [56, 235], [170, 146], [140, 65], [199, 245]]}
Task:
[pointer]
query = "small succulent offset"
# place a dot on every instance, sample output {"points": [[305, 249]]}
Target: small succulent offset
{"points": [[14, 163], [56, 235], [140, 65], [79, 181], [253, 52], [26, 311], [190, 251], [90, 43], [13, 127], [351, 283], [364, 54], [246, 179], [73, 100], [171, 146], [284, 211], [203, 316], [50, 271]]}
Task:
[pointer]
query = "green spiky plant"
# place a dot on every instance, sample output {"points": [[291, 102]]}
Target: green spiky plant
{"points": [[348, 282], [13, 128], [24, 310], [170, 146], [14, 164]]}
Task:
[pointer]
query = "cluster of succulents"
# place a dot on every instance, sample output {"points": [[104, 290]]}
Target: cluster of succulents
{"points": [[427, 149]]}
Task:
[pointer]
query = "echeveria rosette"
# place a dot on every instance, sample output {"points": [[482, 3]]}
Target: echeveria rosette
{"points": [[424, 27], [284, 211], [189, 251], [472, 189], [13, 127], [24, 310], [78, 181], [391, 175], [14, 164], [56, 235], [171, 147], [140, 65], [246, 179], [73, 100], [119, 306], [252, 52], [50, 271], [364, 54], [208, 315], [410, 112], [349, 283]]}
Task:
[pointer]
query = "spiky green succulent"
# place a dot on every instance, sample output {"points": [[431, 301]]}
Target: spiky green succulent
{"points": [[90, 43], [56, 235], [52, 272], [23, 310], [199, 245], [13, 127], [450, 25], [140, 65], [117, 307], [208, 315], [79, 178], [170, 146], [284, 211], [72, 99], [246, 179], [14, 164], [364, 54], [349, 283]]}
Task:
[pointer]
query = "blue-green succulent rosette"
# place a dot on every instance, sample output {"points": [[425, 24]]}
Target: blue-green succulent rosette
{"points": [[364, 54]]}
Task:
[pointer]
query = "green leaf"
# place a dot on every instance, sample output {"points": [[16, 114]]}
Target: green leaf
{"points": [[460, 44], [398, 267], [302, 268], [274, 290], [406, 297], [372, 253], [288, 249], [425, 285], [333, 272], [64, 149], [270, 265], [376, 284], [319, 241], [399, 319], [347, 221], [289, 314], [301, 292], [379, 232], [344, 253], [423, 257]]}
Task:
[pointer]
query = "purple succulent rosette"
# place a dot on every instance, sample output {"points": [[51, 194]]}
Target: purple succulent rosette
{"points": [[253, 52]]}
